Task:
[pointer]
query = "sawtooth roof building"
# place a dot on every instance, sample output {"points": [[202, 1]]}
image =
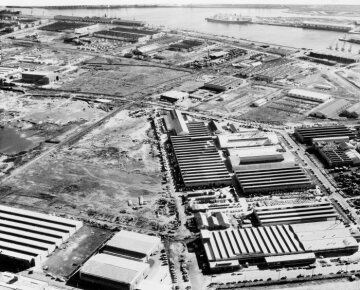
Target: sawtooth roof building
{"points": [[199, 161], [28, 237], [295, 213], [272, 178], [226, 248], [307, 134]]}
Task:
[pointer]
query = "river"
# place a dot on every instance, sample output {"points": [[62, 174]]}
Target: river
{"points": [[194, 19]]}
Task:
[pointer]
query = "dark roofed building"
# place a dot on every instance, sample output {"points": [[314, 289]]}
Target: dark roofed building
{"points": [[307, 134], [272, 179], [199, 161]]}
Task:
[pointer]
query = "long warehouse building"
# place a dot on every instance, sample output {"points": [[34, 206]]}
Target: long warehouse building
{"points": [[273, 179], [307, 134], [199, 161], [27, 237], [295, 213], [226, 248]]}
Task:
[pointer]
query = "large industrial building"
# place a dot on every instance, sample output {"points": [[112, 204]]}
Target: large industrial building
{"points": [[132, 245], [307, 134], [267, 178], [249, 155], [225, 248], [330, 110], [199, 161], [28, 237], [338, 56], [104, 20], [295, 213], [327, 26], [223, 83], [112, 272], [337, 153], [309, 95]]}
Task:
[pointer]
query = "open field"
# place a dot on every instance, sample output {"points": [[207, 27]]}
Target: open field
{"points": [[120, 79], [97, 177]]}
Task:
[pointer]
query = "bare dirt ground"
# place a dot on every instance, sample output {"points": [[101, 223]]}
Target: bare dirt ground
{"points": [[97, 177], [119, 79]]}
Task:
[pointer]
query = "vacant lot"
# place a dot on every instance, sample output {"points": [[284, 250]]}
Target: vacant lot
{"points": [[120, 80], [97, 177]]}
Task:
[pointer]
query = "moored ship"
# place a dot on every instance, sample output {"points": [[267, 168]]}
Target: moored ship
{"points": [[229, 19]]}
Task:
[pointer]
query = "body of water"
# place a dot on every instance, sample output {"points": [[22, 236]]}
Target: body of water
{"points": [[11, 142], [194, 19]]}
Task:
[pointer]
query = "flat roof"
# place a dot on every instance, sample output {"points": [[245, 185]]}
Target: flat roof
{"points": [[328, 235], [113, 268], [134, 242], [287, 258]]}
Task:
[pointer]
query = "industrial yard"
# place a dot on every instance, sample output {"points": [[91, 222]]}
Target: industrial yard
{"points": [[135, 156]]}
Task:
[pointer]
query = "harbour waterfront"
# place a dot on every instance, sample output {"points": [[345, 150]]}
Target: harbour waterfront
{"points": [[194, 19]]}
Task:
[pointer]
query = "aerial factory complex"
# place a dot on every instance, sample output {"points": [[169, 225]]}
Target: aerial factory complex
{"points": [[142, 157]]}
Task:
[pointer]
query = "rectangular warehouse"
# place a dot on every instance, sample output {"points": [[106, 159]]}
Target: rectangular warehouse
{"points": [[223, 83], [39, 77], [287, 241], [325, 237], [273, 179], [132, 245], [307, 134], [330, 110], [309, 95], [199, 161], [27, 237], [295, 213], [111, 272], [250, 243]]}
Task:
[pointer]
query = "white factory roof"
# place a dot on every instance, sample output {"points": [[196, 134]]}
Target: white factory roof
{"points": [[324, 236], [257, 151], [113, 268], [133, 242], [309, 94]]}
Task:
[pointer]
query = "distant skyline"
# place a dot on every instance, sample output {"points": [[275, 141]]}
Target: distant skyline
{"points": [[174, 2]]}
